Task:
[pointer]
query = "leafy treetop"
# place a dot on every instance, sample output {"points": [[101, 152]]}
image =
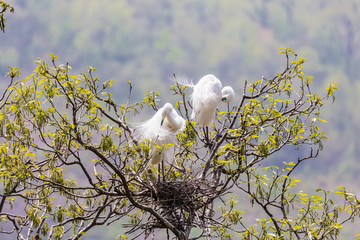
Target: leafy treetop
{"points": [[70, 161]]}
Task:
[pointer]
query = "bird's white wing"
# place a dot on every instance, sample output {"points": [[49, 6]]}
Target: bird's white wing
{"points": [[206, 96], [205, 99]]}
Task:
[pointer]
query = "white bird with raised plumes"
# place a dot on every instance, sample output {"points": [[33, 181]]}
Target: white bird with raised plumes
{"points": [[207, 94], [161, 129], [206, 97]]}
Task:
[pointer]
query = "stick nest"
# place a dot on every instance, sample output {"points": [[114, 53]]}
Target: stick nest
{"points": [[178, 201]]}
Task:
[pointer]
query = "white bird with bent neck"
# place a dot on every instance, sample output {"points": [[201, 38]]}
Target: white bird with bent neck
{"points": [[161, 129], [206, 97], [207, 94]]}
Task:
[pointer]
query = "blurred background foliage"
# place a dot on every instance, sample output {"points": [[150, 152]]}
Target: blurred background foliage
{"points": [[145, 42]]}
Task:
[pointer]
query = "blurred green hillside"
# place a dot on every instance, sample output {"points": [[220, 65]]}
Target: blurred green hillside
{"points": [[147, 41]]}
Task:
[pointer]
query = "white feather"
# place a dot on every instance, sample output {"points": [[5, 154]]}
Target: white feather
{"points": [[183, 80]]}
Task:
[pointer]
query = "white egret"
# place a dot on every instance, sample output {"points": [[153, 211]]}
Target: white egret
{"points": [[161, 129], [206, 97]]}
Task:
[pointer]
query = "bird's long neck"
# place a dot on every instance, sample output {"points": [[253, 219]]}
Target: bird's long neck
{"points": [[171, 121]]}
